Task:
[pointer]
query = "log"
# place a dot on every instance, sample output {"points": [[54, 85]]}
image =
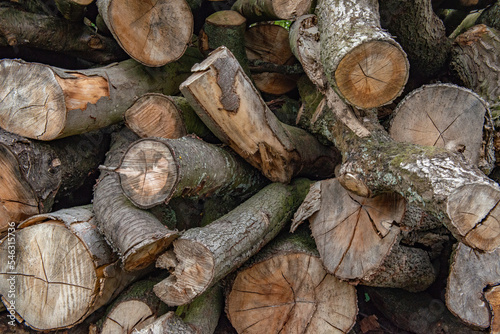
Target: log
{"points": [[52, 103], [358, 238], [284, 288], [492, 297], [272, 10], [158, 115], [20, 28], [234, 111], [73, 10], [490, 16], [63, 269], [203, 256], [471, 273], [135, 234], [420, 32], [362, 62], [462, 4], [454, 117], [153, 171], [35, 175], [153, 34], [269, 43]]}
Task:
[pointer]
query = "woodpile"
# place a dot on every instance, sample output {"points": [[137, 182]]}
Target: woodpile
{"points": [[244, 166]]}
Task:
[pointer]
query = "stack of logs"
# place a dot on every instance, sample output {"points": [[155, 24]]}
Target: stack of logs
{"points": [[158, 160]]}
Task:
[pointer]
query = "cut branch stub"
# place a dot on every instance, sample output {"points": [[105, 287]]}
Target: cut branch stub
{"points": [[353, 234], [471, 273], [363, 62], [153, 33], [444, 115]]}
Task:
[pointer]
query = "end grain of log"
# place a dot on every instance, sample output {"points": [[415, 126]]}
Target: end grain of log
{"points": [[272, 10]]}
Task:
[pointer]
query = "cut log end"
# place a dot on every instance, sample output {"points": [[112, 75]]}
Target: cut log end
{"points": [[128, 316], [372, 74], [290, 10], [493, 297], [153, 33], [148, 173], [291, 293], [140, 256]]}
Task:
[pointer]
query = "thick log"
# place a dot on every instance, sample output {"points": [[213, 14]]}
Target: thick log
{"points": [[158, 115], [420, 32], [471, 273], [51, 103], [272, 10], [153, 171], [36, 174], [63, 269], [284, 288], [454, 117], [269, 43], [154, 34], [20, 28], [361, 61], [135, 234], [230, 106], [203, 256]]}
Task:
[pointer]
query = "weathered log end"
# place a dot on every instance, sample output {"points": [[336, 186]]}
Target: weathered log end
{"points": [[475, 215], [492, 296], [372, 74]]}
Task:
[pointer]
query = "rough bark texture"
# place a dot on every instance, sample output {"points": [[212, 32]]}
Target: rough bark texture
{"points": [[471, 272], [19, 28], [51, 103], [271, 10], [232, 108], [135, 234], [152, 171], [158, 115], [64, 269], [361, 61], [419, 31], [154, 34], [35, 174], [203, 256], [491, 16], [284, 288]]}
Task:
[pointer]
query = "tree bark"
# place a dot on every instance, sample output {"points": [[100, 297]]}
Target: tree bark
{"points": [[154, 34], [73, 10], [491, 16], [284, 288], [64, 270], [20, 28], [158, 115], [51, 103], [230, 106], [153, 171], [135, 234], [225, 244], [35, 174], [362, 62], [272, 10]]}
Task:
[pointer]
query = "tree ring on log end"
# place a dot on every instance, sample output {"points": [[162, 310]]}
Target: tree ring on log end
{"points": [[33, 107], [153, 33], [55, 278], [372, 74]]}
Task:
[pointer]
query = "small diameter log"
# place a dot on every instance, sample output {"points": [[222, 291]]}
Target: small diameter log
{"points": [[64, 269], [475, 58], [271, 10], [471, 273], [153, 171], [269, 43], [420, 33], [36, 30], [203, 256], [358, 238], [153, 33], [449, 116], [135, 234], [135, 308], [51, 103], [158, 115], [285, 289], [73, 10], [36, 174], [230, 106], [361, 61]]}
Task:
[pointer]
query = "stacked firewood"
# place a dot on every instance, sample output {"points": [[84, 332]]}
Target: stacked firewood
{"points": [[159, 160]]}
